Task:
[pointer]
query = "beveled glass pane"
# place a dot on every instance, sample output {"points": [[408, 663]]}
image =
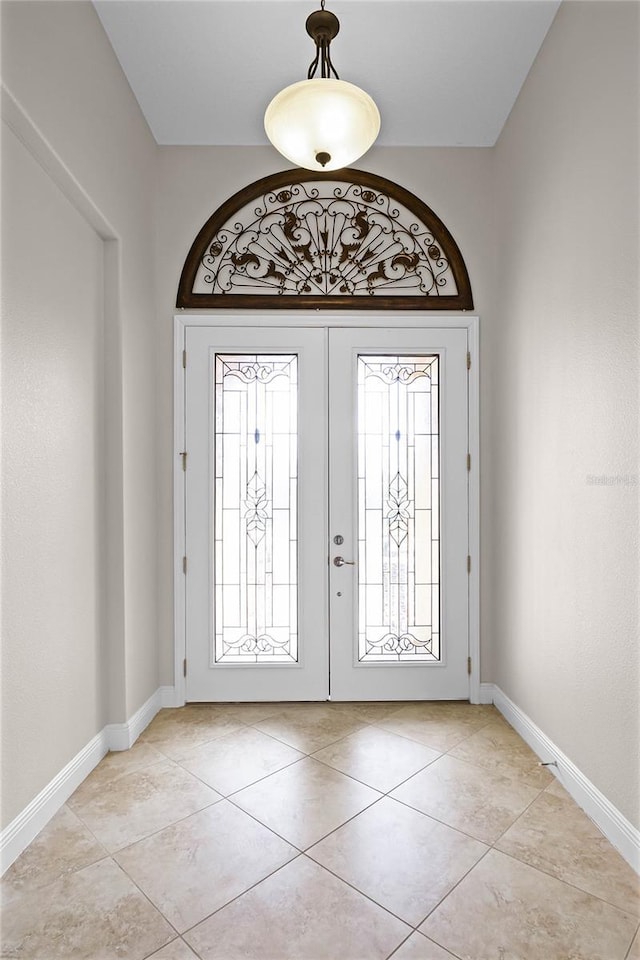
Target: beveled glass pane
{"points": [[398, 545], [255, 508]]}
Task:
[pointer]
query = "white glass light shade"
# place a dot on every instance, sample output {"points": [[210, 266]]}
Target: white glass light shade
{"points": [[323, 116]]}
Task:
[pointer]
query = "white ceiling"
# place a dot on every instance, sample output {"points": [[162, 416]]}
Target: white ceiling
{"points": [[443, 72]]}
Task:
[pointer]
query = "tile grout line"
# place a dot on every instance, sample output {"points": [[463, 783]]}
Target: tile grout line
{"points": [[448, 894], [150, 956], [226, 796], [306, 852], [633, 938], [251, 725], [443, 823], [419, 933], [497, 772], [387, 794], [360, 892], [547, 872], [568, 883], [303, 850], [514, 777], [147, 836], [150, 901], [239, 895]]}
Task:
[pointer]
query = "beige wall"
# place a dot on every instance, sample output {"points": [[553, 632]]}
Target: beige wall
{"points": [[194, 181], [563, 402], [53, 495], [79, 606]]}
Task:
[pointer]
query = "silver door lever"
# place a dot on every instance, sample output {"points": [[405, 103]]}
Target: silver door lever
{"points": [[340, 562]]}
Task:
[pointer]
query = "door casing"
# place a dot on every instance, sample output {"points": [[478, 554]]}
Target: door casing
{"points": [[322, 319]]}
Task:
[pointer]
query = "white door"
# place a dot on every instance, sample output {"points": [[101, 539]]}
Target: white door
{"points": [[326, 514], [398, 497], [256, 520]]}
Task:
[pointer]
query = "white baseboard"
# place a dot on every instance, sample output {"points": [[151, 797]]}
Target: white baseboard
{"points": [[169, 697], [616, 828], [122, 736], [486, 692], [28, 824], [17, 836]]}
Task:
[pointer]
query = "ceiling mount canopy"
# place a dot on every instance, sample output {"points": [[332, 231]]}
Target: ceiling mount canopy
{"points": [[322, 123]]}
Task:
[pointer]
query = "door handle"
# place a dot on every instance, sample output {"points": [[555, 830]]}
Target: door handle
{"points": [[340, 562]]}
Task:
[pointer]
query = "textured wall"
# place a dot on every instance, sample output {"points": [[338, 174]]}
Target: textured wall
{"points": [[564, 401], [67, 670], [194, 181], [52, 450]]}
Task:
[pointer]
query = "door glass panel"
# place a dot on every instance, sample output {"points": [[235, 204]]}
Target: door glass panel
{"points": [[398, 509], [255, 509]]}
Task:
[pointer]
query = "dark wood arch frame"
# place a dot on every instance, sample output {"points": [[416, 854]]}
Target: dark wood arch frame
{"points": [[186, 298]]}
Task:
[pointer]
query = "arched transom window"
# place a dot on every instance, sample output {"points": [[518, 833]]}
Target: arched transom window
{"points": [[342, 240]]}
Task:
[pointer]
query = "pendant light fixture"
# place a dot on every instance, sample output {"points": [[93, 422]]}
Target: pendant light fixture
{"points": [[323, 123]]}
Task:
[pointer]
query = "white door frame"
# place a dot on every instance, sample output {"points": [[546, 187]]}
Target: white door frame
{"points": [[318, 318]]}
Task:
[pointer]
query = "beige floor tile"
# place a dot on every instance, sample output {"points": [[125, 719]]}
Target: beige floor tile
{"points": [[115, 765], [176, 950], [175, 732], [316, 710], [94, 914], [371, 711], [556, 789], [300, 913], [253, 712], [418, 947], [194, 713], [378, 758], [507, 909], [474, 714], [403, 860], [197, 865], [305, 801], [309, 730], [238, 759], [144, 801], [65, 845], [477, 801], [557, 837], [498, 747], [634, 952], [438, 727]]}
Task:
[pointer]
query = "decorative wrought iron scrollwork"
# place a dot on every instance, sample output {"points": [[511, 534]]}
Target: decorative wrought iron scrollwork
{"points": [[308, 239]]}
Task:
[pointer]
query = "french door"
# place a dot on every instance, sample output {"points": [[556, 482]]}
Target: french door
{"points": [[326, 513]]}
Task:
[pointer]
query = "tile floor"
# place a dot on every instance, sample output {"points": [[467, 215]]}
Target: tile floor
{"points": [[342, 831]]}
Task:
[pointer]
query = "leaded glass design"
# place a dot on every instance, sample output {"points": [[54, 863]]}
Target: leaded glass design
{"points": [[255, 515], [398, 509]]}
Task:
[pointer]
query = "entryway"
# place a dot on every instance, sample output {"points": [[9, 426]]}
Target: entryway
{"points": [[326, 513]]}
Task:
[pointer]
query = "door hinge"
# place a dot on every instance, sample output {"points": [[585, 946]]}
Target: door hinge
{"points": [[468, 360], [184, 667], [468, 664], [184, 564], [184, 359], [183, 454], [468, 564], [468, 461]]}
